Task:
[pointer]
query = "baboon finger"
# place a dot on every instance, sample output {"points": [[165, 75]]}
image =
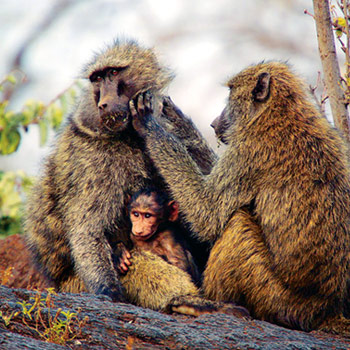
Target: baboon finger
{"points": [[148, 102], [126, 260], [123, 267], [127, 254], [132, 108], [140, 104]]}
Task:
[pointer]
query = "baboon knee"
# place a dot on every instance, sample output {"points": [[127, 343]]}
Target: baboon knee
{"points": [[153, 283]]}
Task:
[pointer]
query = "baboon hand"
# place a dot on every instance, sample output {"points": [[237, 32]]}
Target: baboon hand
{"points": [[170, 111], [124, 262], [122, 259], [141, 109]]}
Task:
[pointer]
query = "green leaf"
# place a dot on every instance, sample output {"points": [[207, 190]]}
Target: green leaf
{"points": [[9, 141], [339, 33], [11, 78], [54, 115]]}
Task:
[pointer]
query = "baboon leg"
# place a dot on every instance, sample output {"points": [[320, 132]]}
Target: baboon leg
{"points": [[73, 285], [152, 282], [239, 269], [337, 325]]}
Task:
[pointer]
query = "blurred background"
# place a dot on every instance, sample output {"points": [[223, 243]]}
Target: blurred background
{"points": [[203, 41]]}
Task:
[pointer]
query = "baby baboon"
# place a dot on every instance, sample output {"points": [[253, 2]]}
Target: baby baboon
{"points": [[154, 228], [76, 213], [276, 205]]}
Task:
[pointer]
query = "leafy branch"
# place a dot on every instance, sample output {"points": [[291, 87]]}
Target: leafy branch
{"points": [[15, 185]]}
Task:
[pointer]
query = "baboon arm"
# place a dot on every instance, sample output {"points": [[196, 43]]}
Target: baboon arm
{"points": [[181, 126], [92, 253], [207, 201]]}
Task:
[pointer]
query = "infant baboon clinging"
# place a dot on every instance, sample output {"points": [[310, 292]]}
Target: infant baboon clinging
{"points": [[76, 213], [154, 227], [276, 205]]}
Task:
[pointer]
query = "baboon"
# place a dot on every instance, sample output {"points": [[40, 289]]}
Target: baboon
{"points": [[276, 205], [154, 227], [75, 215]]}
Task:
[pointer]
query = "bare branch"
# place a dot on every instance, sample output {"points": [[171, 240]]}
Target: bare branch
{"points": [[330, 66]]}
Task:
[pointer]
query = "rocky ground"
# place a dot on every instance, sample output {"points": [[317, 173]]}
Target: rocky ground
{"points": [[33, 319]]}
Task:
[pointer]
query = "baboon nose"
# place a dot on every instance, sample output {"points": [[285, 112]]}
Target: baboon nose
{"points": [[102, 106]]}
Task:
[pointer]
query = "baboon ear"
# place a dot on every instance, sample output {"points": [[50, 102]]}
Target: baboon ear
{"points": [[173, 210], [262, 88]]}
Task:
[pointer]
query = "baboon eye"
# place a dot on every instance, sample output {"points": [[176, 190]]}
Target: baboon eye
{"points": [[99, 78], [148, 215], [135, 213], [114, 72]]}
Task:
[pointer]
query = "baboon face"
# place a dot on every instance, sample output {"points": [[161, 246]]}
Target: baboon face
{"points": [[221, 124], [117, 75], [145, 216], [112, 93], [244, 101], [147, 211]]}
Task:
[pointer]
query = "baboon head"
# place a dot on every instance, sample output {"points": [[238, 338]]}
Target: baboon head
{"points": [[254, 91], [117, 75]]}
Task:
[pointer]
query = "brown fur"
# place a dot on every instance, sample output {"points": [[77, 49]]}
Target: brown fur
{"points": [[155, 228], [76, 213], [149, 271], [276, 206]]}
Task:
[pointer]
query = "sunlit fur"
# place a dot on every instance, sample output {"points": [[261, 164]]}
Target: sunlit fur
{"points": [[276, 206]]}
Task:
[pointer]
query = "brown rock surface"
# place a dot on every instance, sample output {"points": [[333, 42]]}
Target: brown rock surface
{"points": [[16, 267]]}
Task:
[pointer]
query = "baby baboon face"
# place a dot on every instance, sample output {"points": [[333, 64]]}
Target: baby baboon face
{"points": [[148, 209], [112, 92]]}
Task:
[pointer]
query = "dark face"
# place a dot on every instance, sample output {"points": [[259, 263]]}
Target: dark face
{"points": [[221, 124], [113, 91]]}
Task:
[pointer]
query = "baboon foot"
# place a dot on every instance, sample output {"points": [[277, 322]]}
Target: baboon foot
{"points": [[196, 306], [337, 325]]}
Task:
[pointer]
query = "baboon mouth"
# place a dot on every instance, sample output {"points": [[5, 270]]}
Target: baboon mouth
{"points": [[113, 121], [115, 117], [143, 237]]}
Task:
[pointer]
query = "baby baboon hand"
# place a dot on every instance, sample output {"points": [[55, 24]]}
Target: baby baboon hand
{"points": [[141, 108], [124, 260]]}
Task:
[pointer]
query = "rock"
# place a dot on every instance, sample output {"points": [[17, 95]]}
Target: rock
{"points": [[124, 326], [16, 267]]}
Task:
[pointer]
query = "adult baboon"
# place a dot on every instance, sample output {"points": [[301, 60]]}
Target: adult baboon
{"points": [[276, 206], [76, 213]]}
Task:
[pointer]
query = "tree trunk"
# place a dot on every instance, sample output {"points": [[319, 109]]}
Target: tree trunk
{"points": [[330, 66], [124, 326]]}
